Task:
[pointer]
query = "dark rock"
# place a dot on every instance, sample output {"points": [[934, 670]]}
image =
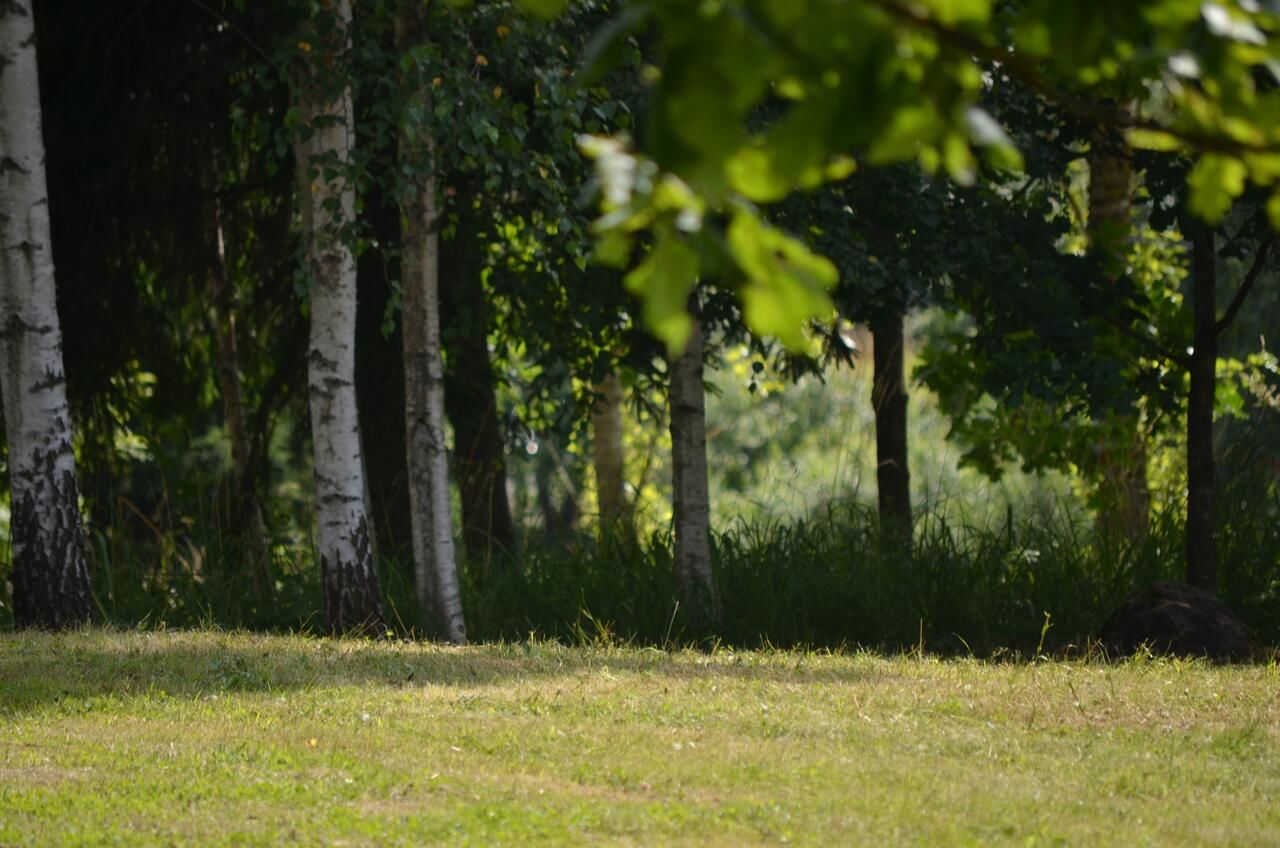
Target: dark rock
{"points": [[1174, 618]]}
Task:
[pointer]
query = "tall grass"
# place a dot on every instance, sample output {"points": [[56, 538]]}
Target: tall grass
{"points": [[827, 579]]}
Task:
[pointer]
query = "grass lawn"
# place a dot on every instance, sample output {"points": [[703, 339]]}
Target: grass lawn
{"points": [[206, 738]]}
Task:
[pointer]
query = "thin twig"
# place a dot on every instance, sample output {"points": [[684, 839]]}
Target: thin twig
{"points": [[1147, 342], [240, 33], [1259, 260]]}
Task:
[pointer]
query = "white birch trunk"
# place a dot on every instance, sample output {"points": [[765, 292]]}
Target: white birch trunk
{"points": [[50, 578], [690, 498], [431, 517], [607, 455], [352, 596]]}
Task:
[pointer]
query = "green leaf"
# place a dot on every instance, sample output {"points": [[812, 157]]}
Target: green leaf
{"points": [[952, 12], [663, 281], [543, 8], [750, 172], [1215, 182], [1153, 140], [1273, 209], [901, 139], [605, 48], [786, 282], [986, 132], [958, 159]]}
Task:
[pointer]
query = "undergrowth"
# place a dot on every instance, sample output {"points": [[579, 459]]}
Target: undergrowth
{"points": [[1029, 583]]}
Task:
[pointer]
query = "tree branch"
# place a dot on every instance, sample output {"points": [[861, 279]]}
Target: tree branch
{"points": [[1259, 260], [1080, 107], [1151, 345]]}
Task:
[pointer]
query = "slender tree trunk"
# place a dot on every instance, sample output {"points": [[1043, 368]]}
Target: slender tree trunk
{"points": [[479, 455], [691, 501], [559, 517], [1125, 495], [246, 508], [353, 599], [889, 399], [435, 561], [608, 456], [380, 384], [1202, 553], [471, 402], [50, 576]]}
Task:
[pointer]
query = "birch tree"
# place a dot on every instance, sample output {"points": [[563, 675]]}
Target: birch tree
{"points": [[690, 499], [50, 578], [327, 197], [434, 554]]}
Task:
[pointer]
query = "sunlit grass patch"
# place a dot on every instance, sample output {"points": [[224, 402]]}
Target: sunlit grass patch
{"points": [[224, 738]]}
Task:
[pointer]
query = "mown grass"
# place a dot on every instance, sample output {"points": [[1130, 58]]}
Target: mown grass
{"points": [[209, 738]]}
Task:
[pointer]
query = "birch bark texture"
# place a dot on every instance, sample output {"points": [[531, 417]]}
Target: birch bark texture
{"points": [[431, 520], [353, 599], [690, 498], [51, 586]]}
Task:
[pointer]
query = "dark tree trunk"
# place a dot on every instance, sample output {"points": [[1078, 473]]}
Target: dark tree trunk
{"points": [[889, 398], [1202, 553], [471, 404], [380, 386], [246, 509]]}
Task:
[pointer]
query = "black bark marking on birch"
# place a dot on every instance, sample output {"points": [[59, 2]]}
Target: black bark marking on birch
{"points": [[51, 380], [16, 328], [51, 589], [9, 164], [353, 600], [318, 359], [339, 498]]}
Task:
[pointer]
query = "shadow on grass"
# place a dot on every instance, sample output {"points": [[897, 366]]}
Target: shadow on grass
{"points": [[38, 670]]}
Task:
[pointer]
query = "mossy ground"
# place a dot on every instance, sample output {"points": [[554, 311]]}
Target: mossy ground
{"points": [[208, 738]]}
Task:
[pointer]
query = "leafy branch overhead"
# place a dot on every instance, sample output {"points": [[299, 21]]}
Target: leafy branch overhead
{"points": [[758, 99]]}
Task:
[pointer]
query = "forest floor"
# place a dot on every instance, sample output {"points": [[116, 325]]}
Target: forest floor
{"points": [[208, 738]]}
